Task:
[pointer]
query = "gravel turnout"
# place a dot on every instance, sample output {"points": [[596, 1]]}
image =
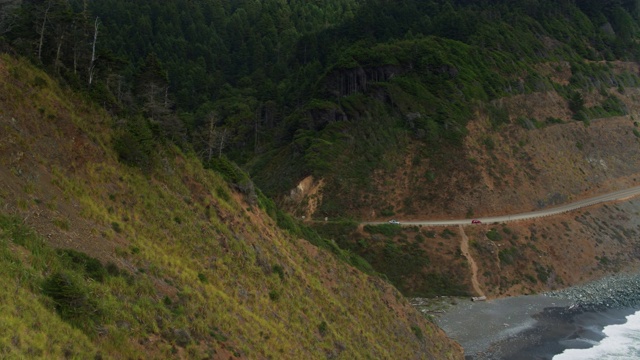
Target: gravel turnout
{"points": [[614, 292]]}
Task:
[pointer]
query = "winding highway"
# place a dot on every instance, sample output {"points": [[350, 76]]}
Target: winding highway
{"points": [[614, 196]]}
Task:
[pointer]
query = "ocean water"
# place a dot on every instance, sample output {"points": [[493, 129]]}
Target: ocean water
{"points": [[621, 341]]}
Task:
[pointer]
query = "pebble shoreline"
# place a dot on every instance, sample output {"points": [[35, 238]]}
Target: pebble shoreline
{"points": [[612, 292], [508, 327]]}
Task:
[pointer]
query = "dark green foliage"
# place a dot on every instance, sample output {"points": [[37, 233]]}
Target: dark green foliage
{"points": [[403, 263], [498, 116], [581, 116], [438, 284], [202, 277], [223, 194], [447, 233], [235, 176], [489, 143], [529, 124], [342, 233], [542, 272], [134, 143], [417, 332], [362, 264], [267, 205], [19, 233], [91, 267], [323, 328], [287, 222], [610, 106], [274, 295], [215, 333], [387, 212], [336, 229], [388, 230], [530, 278], [553, 120], [603, 260], [334, 89], [494, 235], [396, 261], [112, 269], [116, 227], [277, 269], [576, 102], [613, 106], [40, 82], [508, 256], [70, 297]]}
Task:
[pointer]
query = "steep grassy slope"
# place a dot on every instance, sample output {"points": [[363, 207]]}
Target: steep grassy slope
{"points": [[177, 264]]}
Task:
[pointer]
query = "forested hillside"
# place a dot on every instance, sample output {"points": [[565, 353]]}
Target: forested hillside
{"points": [[336, 89], [348, 109]]}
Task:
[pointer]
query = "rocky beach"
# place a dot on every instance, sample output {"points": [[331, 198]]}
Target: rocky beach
{"points": [[540, 326]]}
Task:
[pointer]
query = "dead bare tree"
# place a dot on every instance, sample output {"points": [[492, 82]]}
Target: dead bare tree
{"points": [[154, 100], [211, 134], [43, 27], [115, 82], [92, 64], [222, 138], [211, 138]]}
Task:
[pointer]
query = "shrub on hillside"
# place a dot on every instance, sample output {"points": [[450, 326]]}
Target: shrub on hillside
{"points": [[134, 143], [70, 297], [91, 267], [234, 176], [494, 235], [388, 230]]}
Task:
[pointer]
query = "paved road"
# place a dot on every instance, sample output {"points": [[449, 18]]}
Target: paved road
{"points": [[614, 196]]}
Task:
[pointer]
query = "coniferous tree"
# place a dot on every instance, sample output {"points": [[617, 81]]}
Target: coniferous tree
{"points": [[8, 15]]}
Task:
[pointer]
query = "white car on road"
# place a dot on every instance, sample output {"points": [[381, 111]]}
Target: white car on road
{"points": [[394, 222]]}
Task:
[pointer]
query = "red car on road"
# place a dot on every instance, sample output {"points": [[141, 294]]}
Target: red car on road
{"points": [[476, 221]]}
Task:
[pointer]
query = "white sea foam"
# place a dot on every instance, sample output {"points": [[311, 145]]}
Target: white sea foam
{"points": [[621, 342]]}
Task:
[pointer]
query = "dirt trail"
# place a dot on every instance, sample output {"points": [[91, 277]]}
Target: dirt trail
{"points": [[464, 248]]}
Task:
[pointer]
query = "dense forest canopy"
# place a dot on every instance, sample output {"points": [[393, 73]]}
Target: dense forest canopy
{"points": [[264, 82]]}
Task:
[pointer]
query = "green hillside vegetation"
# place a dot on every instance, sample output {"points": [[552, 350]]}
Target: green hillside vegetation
{"points": [[297, 88], [420, 78], [204, 99], [365, 79], [101, 259]]}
